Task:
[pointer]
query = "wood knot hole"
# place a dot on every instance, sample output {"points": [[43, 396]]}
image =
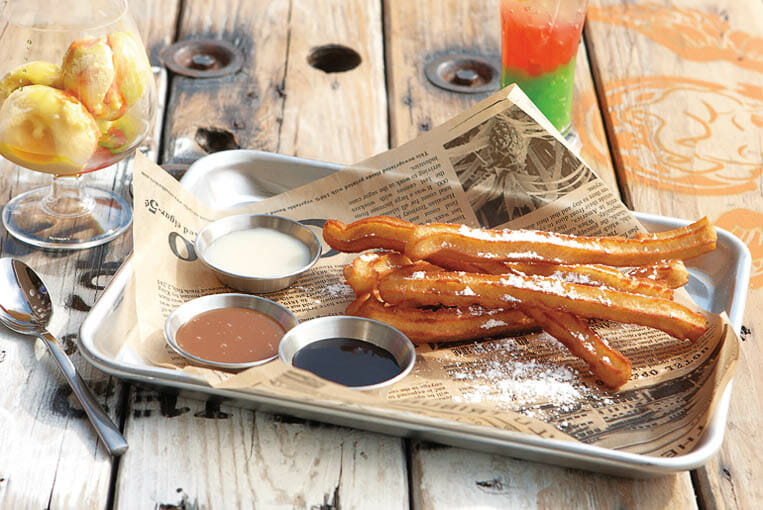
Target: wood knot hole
{"points": [[334, 58], [213, 139]]}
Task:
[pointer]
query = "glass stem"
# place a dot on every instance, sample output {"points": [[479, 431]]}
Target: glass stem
{"points": [[67, 198]]}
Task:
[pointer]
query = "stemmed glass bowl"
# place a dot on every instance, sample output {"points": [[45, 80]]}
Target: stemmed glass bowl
{"points": [[76, 95]]}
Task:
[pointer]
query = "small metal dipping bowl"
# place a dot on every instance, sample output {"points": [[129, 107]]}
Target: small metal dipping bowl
{"points": [[191, 309], [359, 328], [257, 285]]}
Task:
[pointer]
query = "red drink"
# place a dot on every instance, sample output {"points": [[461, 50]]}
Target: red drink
{"points": [[540, 41]]}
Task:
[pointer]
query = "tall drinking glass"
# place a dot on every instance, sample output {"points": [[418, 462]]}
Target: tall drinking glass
{"points": [[539, 40], [76, 95]]}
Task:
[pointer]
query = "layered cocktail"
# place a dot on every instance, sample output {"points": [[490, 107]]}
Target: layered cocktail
{"points": [[539, 44]]}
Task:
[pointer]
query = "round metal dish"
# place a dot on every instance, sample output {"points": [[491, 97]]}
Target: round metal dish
{"points": [[189, 310], [228, 179], [252, 284], [359, 328]]}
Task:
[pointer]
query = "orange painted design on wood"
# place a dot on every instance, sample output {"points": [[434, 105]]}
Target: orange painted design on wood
{"points": [[688, 136], [747, 225], [587, 122], [691, 33]]}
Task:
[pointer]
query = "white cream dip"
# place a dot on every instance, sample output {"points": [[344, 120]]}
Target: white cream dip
{"points": [[258, 252]]}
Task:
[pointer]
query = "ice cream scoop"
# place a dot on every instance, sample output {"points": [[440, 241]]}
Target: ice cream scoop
{"points": [[32, 73], [107, 74], [131, 64], [88, 72], [45, 129]]}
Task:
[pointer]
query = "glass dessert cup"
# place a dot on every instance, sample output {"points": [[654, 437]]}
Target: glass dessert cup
{"points": [[539, 44], [76, 95]]}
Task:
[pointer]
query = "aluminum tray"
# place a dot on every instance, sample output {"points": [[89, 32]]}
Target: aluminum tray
{"points": [[718, 283]]}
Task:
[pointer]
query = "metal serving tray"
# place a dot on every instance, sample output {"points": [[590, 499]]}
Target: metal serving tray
{"points": [[718, 283]]}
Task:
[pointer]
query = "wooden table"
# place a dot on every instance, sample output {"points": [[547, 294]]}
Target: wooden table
{"points": [[669, 108]]}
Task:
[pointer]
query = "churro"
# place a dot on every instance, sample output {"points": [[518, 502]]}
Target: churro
{"points": [[424, 285], [443, 324], [376, 232], [471, 244], [467, 283]]}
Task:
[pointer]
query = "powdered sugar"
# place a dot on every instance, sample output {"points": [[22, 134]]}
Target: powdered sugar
{"points": [[337, 289], [522, 384], [492, 323], [520, 236], [501, 373], [467, 291]]}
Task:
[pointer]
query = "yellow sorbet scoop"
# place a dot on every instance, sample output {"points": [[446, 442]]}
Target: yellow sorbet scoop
{"points": [[108, 74], [45, 129], [32, 73], [88, 71]]}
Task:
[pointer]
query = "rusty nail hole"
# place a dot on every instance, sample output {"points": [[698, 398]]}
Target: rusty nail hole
{"points": [[215, 139], [202, 61], [202, 58], [470, 74], [334, 58], [465, 77]]}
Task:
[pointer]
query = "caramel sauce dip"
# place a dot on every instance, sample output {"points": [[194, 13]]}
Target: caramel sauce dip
{"points": [[231, 335]]}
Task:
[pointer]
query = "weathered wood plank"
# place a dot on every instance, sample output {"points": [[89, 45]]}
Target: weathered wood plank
{"points": [[450, 478], [417, 33], [587, 123], [184, 450], [156, 23], [216, 456], [49, 455], [681, 86], [279, 102], [44, 431], [489, 481], [334, 116], [202, 118]]}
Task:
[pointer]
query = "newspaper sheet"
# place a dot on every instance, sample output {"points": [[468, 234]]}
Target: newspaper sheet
{"points": [[499, 164]]}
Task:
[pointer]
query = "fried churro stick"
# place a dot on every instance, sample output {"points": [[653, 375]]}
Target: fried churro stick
{"points": [[586, 274], [364, 272], [606, 362], [470, 244], [595, 274], [376, 232], [672, 273], [425, 285], [676, 232], [443, 324]]}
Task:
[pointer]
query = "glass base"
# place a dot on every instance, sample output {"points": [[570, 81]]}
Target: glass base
{"points": [[96, 219], [573, 139]]}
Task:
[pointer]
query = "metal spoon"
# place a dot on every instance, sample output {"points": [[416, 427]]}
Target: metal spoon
{"points": [[25, 307]]}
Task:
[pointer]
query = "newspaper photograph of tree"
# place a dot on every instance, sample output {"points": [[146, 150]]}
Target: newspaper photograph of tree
{"points": [[510, 166]]}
